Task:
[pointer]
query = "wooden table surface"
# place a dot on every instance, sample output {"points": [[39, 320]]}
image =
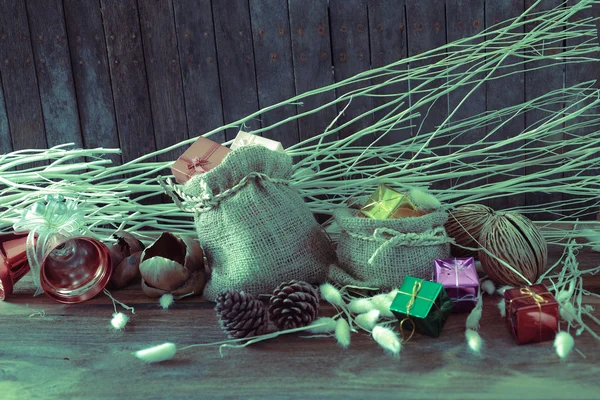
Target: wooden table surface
{"points": [[71, 352]]}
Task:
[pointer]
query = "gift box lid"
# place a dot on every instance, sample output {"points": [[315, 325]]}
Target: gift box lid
{"points": [[248, 139], [456, 272], [535, 296], [386, 201], [422, 293]]}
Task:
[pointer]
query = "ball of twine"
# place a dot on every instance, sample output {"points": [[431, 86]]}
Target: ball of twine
{"points": [[464, 226], [515, 240]]}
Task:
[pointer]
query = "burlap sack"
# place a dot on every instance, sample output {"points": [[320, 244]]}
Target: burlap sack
{"points": [[255, 229], [380, 253]]}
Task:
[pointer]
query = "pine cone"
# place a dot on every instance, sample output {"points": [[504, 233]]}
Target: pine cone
{"points": [[293, 305], [241, 315]]}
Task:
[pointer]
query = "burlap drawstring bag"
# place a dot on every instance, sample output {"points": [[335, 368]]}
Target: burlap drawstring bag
{"points": [[380, 253], [254, 227]]}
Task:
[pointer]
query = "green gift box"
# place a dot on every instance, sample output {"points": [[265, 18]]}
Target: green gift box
{"points": [[422, 305]]}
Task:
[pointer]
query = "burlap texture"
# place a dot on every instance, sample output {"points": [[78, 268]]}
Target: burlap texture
{"points": [[255, 229], [412, 245]]}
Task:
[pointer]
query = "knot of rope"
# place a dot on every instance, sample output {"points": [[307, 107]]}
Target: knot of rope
{"points": [[390, 237], [206, 201]]}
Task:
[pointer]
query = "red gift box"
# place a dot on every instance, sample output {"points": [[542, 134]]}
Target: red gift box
{"points": [[203, 155], [531, 314]]}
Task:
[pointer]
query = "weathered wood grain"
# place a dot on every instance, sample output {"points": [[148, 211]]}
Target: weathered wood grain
{"points": [[274, 68], [87, 45], [236, 63], [164, 75], [465, 18], [53, 65], [506, 92], [19, 80], [128, 78], [351, 55], [576, 73], [537, 83], [388, 42], [311, 53], [163, 83], [72, 352], [5, 139], [199, 68], [426, 23]]}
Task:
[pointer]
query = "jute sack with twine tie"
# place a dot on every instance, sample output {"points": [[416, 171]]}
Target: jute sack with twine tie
{"points": [[253, 225], [380, 253]]}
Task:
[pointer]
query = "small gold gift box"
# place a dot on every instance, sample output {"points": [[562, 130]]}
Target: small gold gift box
{"points": [[387, 203]]}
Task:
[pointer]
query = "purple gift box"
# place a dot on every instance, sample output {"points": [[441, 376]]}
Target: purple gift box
{"points": [[459, 277]]}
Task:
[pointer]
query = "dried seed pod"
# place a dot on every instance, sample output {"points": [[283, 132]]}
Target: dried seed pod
{"points": [[464, 226], [125, 254], [172, 265], [514, 239], [126, 272]]}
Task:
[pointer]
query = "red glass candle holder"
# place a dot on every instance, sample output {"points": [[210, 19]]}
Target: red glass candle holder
{"points": [[76, 269]]}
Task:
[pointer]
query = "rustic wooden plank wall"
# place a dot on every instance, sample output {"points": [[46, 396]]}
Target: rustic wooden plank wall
{"points": [[19, 79], [350, 54], [427, 30], [388, 43], [274, 66], [199, 69], [144, 74], [465, 18], [312, 58], [89, 60], [505, 92], [129, 81], [538, 82]]}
